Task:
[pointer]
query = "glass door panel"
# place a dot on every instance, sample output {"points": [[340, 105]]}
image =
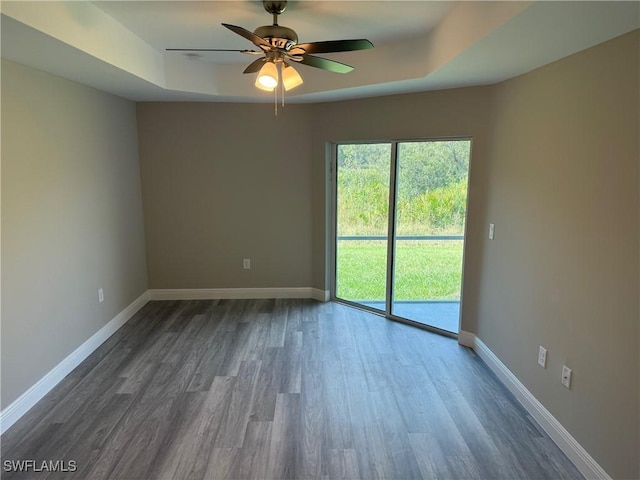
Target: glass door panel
{"points": [[430, 211], [362, 222]]}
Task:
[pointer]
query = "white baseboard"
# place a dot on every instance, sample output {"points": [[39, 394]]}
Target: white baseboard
{"points": [[28, 399], [569, 445], [320, 295], [466, 339], [237, 293]]}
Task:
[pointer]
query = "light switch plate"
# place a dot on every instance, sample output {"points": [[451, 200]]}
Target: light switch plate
{"points": [[566, 376], [542, 357]]}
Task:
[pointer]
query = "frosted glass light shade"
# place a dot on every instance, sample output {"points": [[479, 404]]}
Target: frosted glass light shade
{"points": [[262, 87], [291, 78], [267, 77]]}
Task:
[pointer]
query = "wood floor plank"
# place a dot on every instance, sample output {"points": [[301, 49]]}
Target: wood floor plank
{"points": [[247, 344], [89, 444], [336, 418], [342, 464], [30, 451], [277, 326], [312, 420], [397, 443], [222, 464], [187, 455], [140, 433], [481, 444], [290, 381], [82, 401], [294, 308], [183, 442], [268, 384], [434, 462], [281, 388], [82, 424], [253, 457], [212, 363], [415, 401], [143, 363], [374, 458], [234, 424], [284, 448]]}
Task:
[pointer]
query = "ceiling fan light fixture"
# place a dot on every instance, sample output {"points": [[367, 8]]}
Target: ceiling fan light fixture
{"points": [[290, 77], [267, 77]]}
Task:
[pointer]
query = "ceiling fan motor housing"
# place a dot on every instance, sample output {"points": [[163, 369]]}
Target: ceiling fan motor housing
{"points": [[278, 36], [280, 45]]}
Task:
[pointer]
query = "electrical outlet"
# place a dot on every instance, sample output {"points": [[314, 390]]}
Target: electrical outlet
{"points": [[492, 230], [100, 295], [566, 376], [542, 357], [246, 263]]}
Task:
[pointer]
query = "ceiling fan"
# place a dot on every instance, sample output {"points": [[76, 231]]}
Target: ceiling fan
{"points": [[281, 49]]}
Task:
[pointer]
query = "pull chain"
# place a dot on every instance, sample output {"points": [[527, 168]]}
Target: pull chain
{"points": [[280, 67]]}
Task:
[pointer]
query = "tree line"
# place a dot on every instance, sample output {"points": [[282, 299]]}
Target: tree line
{"points": [[431, 188]]}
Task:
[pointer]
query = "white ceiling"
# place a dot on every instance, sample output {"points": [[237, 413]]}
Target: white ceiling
{"points": [[119, 46]]}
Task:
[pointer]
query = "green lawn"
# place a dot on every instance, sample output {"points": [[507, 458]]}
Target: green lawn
{"points": [[425, 270]]}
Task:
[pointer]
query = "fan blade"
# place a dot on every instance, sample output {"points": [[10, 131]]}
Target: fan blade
{"points": [[251, 52], [335, 46], [254, 66], [252, 37], [325, 64]]}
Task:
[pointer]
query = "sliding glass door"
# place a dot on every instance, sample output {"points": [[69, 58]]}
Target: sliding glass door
{"points": [[400, 211], [430, 209]]}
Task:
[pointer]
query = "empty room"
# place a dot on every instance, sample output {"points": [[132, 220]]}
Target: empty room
{"points": [[320, 239]]}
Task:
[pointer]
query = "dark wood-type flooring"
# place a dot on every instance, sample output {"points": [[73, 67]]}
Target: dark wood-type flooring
{"points": [[281, 389]]}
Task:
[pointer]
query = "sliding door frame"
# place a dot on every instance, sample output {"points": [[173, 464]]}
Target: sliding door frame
{"points": [[391, 244], [333, 243], [391, 240]]}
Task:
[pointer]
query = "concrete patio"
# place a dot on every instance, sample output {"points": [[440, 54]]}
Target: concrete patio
{"points": [[440, 314]]}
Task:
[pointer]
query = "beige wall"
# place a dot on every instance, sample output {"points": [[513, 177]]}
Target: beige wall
{"points": [[223, 182], [71, 219], [563, 269]]}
